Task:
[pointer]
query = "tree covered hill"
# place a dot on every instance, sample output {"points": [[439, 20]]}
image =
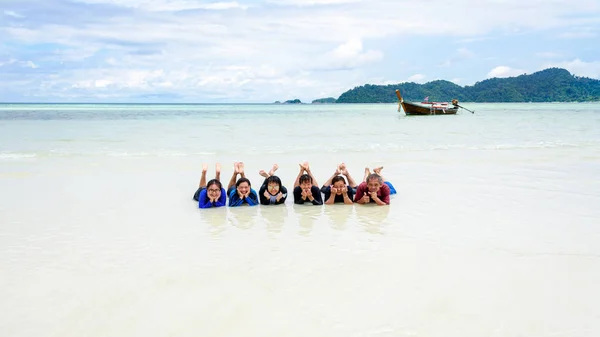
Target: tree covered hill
{"points": [[549, 85], [327, 100]]}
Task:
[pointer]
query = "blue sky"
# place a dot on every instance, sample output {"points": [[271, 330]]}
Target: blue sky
{"points": [[262, 51]]}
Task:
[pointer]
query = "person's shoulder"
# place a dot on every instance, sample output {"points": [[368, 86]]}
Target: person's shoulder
{"points": [[362, 186]]}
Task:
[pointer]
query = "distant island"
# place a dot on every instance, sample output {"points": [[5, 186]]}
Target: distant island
{"points": [[549, 85], [291, 101], [327, 100]]}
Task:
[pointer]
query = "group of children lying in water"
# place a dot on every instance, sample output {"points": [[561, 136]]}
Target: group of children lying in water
{"points": [[373, 189]]}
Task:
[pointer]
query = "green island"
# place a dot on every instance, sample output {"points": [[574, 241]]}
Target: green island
{"points": [[290, 101], [549, 85]]}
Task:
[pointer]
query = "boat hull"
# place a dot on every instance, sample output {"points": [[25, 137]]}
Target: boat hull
{"points": [[413, 109]]}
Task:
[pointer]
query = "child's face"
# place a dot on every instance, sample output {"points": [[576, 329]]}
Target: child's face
{"points": [[213, 191], [306, 185], [243, 188], [273, 188], [339, 185]]}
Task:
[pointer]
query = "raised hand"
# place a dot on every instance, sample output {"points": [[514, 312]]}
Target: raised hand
{"points": [[267, 195], [333, 190], [365, 199]]}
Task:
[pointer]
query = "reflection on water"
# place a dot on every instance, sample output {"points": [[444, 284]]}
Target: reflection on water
{"points": [[214, 219], [274, 217], [339, 215], [372, 217], [307, 216], [303, 217], [243, 217]]}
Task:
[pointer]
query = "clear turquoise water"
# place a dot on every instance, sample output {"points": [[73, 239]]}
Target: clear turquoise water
{"points": [[158, 130], [494, 230]]}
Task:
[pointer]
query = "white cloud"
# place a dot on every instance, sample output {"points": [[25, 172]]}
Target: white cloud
{"points": [[304, 47], [352, 52], [461, 54], [8, 62], [312, 2], [102, 83], [580, 33], [13, 14], [187, 5], [417, 78], [22, 64], [346, 56], [121, 79], [579, 67], [504, 71], [169, 5]]}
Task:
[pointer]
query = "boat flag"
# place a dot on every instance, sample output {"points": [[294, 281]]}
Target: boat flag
{"points": [[426, 99]]}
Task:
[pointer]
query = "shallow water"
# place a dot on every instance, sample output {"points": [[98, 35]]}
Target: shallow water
{"points": [[494, 231]]}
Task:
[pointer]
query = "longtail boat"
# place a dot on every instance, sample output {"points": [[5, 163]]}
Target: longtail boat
{"points": [[426, 107]]}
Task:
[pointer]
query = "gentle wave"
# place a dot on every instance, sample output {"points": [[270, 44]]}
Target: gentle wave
{"points": [[282, 150], [75, 154], [16, 156]]}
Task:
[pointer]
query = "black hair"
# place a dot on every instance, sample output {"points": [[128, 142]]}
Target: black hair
{"points": [[273, 179], [214, 182], [243, 180], [338, 178], [305, 178]]}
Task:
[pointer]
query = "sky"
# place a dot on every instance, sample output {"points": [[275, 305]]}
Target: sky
{"points": [[261, 51]]}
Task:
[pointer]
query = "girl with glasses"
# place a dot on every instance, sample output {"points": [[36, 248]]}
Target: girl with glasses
{"points": [[211, 194]]}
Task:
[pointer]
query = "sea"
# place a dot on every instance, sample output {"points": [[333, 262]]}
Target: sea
{"points": [[495, 230]]}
